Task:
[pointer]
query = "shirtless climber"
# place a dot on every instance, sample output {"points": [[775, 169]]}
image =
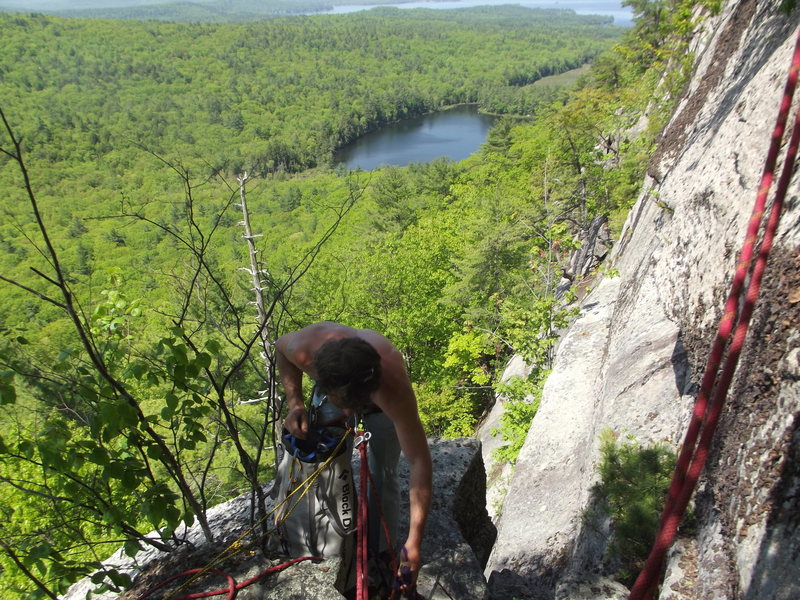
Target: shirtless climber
{"points": [[359, 370]]}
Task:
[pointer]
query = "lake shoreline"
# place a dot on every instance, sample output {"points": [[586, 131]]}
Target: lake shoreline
{"points": [[480, 110], [454, 131]]}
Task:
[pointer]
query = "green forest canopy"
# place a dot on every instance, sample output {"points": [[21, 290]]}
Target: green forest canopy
{"points": [[134, 133], [94, 99]]}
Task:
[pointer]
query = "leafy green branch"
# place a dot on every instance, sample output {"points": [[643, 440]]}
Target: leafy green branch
{"points": [[634, 480], [120, 420]]}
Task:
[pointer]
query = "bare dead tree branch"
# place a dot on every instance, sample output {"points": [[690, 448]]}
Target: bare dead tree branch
{"points": [[172, 465]]}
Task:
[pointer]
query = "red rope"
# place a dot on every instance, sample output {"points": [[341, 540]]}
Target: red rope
{"points": [[232, 588], [362, 562], [384, 524], [276, 569], [362, 568], [705, 417]]}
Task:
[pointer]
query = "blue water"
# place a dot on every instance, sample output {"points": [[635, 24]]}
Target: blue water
{"points": [[622, 15], [454, 134]]}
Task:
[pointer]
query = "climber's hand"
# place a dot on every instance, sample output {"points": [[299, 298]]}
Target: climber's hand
{"points": [[408, 570], [296, 422]]}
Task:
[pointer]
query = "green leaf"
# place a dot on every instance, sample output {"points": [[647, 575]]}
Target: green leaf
{"points": [[130, 478], [179, 354], [172, 400], [203, 360], [179, 376], [109, 421], [128, 416], [40, 551], [113, 470], [188, 518], [154, 511], [131, 548], [137, 370], [26, 448], [192, 370], [213, 346], [98, 577], [8, 394], [172, 515], [121, 580], [64, 354], [98, 456]]}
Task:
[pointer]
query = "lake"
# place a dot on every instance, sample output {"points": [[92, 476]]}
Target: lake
{"points": [[458, 132], [455, 133], [622, 15]]}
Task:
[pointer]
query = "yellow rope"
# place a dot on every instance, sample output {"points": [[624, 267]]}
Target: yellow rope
{"points": [[234, 547], [309, 481]]}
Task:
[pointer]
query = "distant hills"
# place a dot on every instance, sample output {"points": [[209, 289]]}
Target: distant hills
{"points": [[197, 10]]}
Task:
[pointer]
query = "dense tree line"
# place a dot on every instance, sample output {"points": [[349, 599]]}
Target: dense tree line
{"points": [[133, 145], [88, 96], [197, 11], [279, 94], [229, 11]]}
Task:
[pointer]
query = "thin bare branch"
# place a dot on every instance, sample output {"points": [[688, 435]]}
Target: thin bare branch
{"points": [[36, 293]]}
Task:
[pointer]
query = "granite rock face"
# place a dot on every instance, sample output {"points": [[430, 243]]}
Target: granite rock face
{"points": [[594, 244], [632, 360], [541, 513], [459, 536], [498, 473]]}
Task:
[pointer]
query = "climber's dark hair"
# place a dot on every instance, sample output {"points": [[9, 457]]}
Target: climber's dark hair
{"points": [[351, 365]]}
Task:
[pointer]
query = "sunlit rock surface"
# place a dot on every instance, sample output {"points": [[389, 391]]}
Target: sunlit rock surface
{"points": [[632, 360]]}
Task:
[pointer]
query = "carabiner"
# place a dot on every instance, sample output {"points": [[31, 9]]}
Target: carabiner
{"points": [[361, 438]]}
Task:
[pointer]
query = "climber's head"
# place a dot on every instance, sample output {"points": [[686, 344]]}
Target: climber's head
{"points": [[348, 371]]}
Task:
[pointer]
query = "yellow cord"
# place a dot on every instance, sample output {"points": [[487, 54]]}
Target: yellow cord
{"points": [[236, 545]]}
